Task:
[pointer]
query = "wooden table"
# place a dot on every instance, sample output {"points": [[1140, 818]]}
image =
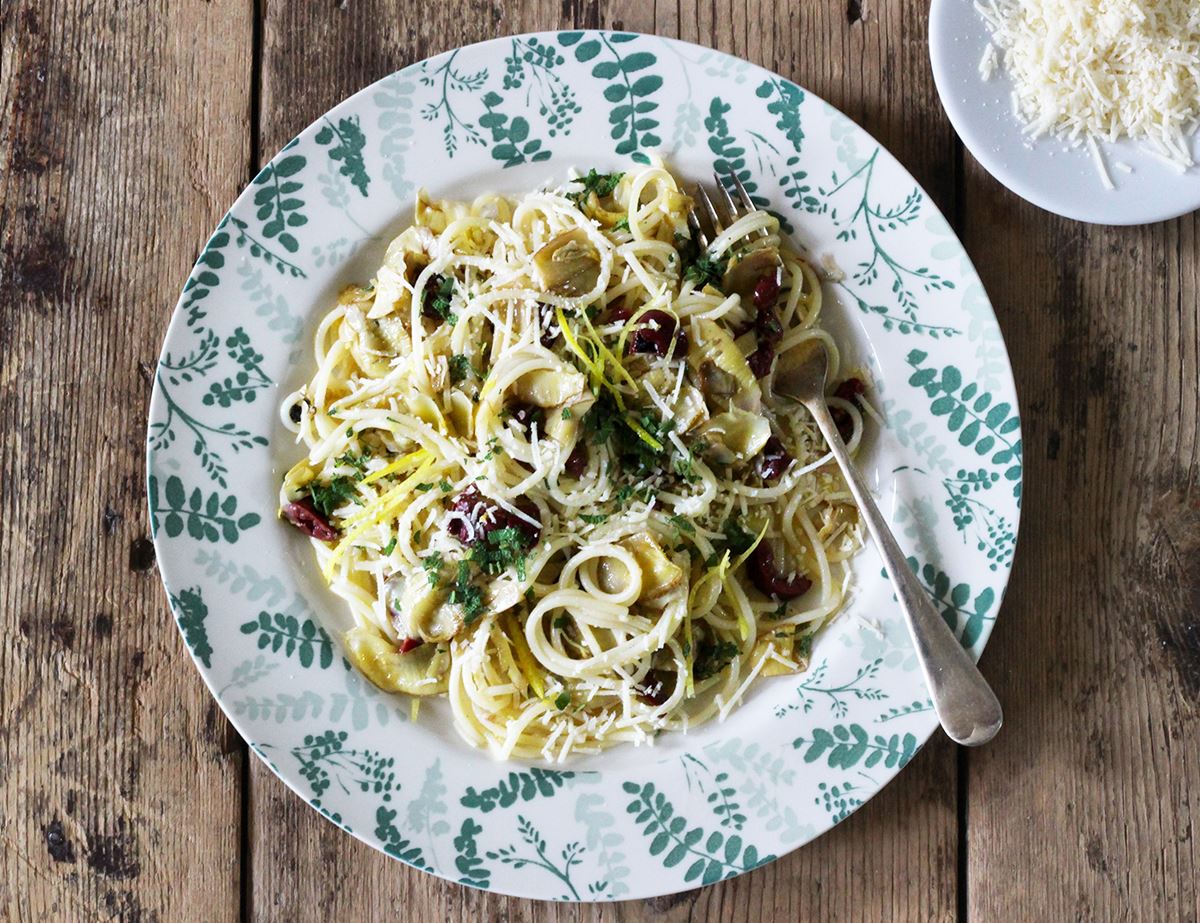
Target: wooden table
{"points": [[128, 128]]}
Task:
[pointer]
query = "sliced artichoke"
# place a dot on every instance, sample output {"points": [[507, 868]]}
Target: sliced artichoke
{"points": [[741, 278], [660, 574], [736, 435], [568, 264], [391, 671], [553, 387], [419, 610], [721, 369]]}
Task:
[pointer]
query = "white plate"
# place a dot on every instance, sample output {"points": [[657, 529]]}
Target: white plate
{"points": [[804, 751], [1045, 172]]}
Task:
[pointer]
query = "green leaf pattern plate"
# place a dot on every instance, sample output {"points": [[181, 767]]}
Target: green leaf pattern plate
{"points": [[509, 115]]}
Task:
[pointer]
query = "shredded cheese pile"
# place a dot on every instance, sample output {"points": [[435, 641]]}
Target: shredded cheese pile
{"points": [[1101, 70]]}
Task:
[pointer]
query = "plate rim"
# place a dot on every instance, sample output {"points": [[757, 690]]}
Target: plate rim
{"points": [[924, 727]]}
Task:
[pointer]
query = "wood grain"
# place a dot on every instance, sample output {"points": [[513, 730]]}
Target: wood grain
{"points": [[115, 767], [1087, 808], [906, 839], [126, 129]]}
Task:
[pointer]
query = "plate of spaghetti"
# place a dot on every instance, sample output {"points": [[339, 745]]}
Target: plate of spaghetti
{"points": [[548, 592]]}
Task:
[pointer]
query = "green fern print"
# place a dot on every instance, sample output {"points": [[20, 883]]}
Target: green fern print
{"points": [[559, 866], [605, 842], [632, 119], [990, 428], [468, 862], [844, 746], [204, 278], [190, 613], [278, 631], [511, 141], [210, 518], [721, 795], [876, 222], [961, 611], [838, 695], [346, 141], [711, 856], [522, 786], [731, 156], [785, 100], [532, 66], [394, 844], [839, 800], [325, 760], [278, 207], [452, 84]]}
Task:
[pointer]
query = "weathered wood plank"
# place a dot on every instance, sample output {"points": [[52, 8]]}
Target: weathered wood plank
{"points": [[1085, 807], [897, 858], [124, 134]]}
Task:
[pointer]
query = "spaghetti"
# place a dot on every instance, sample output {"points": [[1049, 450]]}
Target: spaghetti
{"points": [[547, 473]]}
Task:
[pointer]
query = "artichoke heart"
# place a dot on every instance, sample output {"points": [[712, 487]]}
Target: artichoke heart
{"points": [[568, 263], [660, 575], [721, 369], [418, 672], [736, 435], [741, 278], [551, 387], [419, 610]]}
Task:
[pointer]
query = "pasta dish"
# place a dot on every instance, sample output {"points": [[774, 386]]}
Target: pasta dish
{"points": [[546, 471]]}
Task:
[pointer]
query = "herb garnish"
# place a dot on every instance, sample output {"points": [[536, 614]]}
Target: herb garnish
{"points": [[737, 538], [466, 594], [562, 700], [357, 462], [561, 621], [423, 487], [622, 224], [387, 549], [433, 568], [445, 486], [713, 658], [328, 497], [460, 368], [705, 271], [437, 303], [683, 525], [594, 520], [503, 548], [600, 183]]}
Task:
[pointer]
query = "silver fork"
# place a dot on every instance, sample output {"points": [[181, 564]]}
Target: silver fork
{"points": [[733, 211], [967, 708]]}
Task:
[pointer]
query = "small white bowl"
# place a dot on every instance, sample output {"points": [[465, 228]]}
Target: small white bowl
{"points": [[1046, 172]]}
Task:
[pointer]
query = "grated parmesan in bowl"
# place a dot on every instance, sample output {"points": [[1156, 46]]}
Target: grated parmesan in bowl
{"points": [[1087, 71]]}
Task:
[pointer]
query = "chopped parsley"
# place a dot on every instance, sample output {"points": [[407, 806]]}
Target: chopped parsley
{"points": [[494, 448], [460, 368], [594, 519], [445, 486], [605, 422], [387, 549], [437, 299], [713, 658], [503, 548], [357, 462], [737, 538], [683, 525], [433, 568], [642, 492], [566, 413], [622, 225], [466, 594], [562, 700], [705, 271], [804, 645], [561, 621], [423, 487], [600, 183], [328, 497]]}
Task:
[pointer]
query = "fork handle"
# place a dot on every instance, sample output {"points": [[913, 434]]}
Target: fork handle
{"points": [[967, 708]]}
